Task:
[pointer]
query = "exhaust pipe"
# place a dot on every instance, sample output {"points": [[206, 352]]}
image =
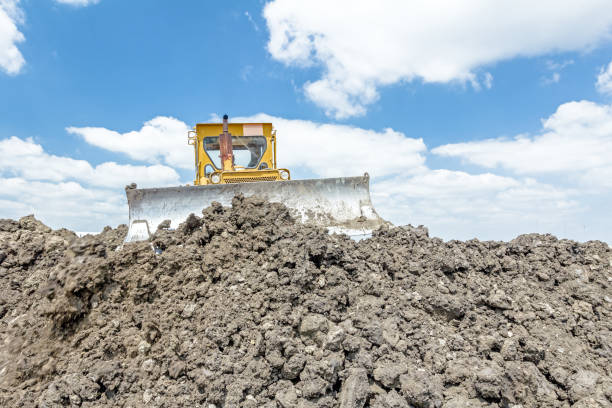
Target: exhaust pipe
{"points": [[225, 146]]}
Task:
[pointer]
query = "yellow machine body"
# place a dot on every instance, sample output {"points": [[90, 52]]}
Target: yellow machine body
{"points": [[254, 154]]}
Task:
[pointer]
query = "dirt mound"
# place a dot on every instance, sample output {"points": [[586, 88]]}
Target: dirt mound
{"points": [[243, 307]]}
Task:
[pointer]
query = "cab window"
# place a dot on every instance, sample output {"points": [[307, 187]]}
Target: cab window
{"points": [[247, 150]]}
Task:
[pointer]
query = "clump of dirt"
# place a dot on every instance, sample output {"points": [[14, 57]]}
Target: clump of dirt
{"points": [[244, 307]]}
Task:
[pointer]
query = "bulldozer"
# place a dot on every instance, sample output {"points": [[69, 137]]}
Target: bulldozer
{"points": [[240, 158]]}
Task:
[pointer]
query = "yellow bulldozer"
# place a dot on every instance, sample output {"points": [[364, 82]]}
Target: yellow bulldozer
{"points": [[240, 158]]}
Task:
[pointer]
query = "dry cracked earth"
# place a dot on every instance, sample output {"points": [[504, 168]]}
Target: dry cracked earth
{"points": [[243, 307]]}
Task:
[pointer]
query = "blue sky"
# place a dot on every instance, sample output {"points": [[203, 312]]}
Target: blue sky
{"points": [[455, 89]]}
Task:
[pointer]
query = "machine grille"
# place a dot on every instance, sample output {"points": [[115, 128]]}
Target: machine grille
{"points": [[249, 179]]}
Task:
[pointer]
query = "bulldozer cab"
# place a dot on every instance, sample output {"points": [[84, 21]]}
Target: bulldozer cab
{"points": [[251, 155]]}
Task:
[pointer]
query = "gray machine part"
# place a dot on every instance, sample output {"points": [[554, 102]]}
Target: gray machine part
{"points": [[341, 204]]}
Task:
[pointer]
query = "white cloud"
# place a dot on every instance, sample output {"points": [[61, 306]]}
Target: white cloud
{"points": [[11, 16], [364, 45], [111, 174], [472, 197], [332, 150], [458, 205], [556, 67], [488, 80], [554, 78], [64, 204], [250, 18], [445, 184], [162, 139], [65, 192], [324, 149], [552, 65], [79, 3], [11, 59], [28, 160], [604, 80], [576, 141]]}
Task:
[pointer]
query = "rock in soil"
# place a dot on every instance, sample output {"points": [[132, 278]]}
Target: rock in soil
{"points": [[244, 307]]}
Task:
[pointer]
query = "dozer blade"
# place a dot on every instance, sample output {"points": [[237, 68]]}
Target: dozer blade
{"points": [[342, 204]]}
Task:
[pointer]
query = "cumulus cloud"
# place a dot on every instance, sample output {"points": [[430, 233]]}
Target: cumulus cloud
{"points": [[554, 78], [65, 192], [363, 45], [161, 140], [11, 59], [445, 184], [575, 141], [28, 160], [332, 150], [324, 149], [11, 16], [62, 204], [556, 67], [604, 80], [459, 205]]}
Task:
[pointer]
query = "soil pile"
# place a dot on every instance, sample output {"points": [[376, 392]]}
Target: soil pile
{"points": [[242, 307]]}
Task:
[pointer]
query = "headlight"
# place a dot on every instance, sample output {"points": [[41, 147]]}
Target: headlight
{"points": [[215, 178], [284, 174]]}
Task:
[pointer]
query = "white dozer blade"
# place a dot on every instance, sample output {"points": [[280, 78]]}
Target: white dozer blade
{"points": [[341, 204]]}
